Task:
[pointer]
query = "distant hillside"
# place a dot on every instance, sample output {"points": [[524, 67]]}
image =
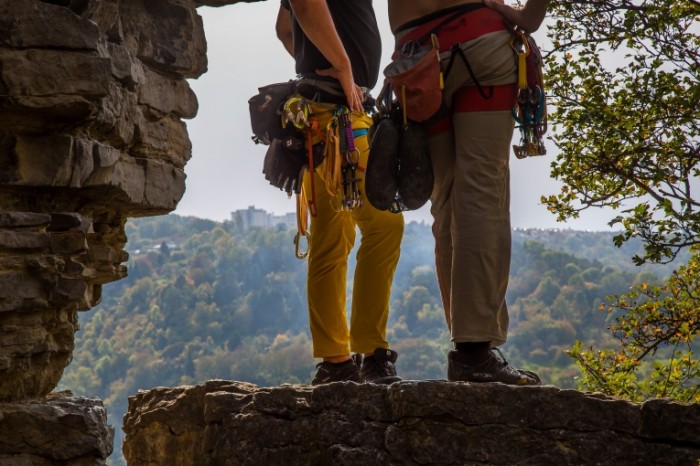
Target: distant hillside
{"points": [[207, 300], [597, 246]]}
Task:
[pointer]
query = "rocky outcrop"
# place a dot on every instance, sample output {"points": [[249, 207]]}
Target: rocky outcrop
{"points": [[92, 98], [44, 281], [432, 422], [60, 430], [93, 94]]}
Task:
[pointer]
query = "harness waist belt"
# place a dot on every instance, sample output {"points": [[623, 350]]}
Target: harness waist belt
{"points": [[324, 90]]}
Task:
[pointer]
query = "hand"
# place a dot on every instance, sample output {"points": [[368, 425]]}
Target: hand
{"points": [[529, 18], [353, 92]]}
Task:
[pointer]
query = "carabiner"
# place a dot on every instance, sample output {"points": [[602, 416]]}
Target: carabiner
{"points": [[298, 116], [349, 158], [297, 251], [524, 95]]}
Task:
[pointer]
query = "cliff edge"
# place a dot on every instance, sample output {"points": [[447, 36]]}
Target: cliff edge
{"points": [[411, 422]]}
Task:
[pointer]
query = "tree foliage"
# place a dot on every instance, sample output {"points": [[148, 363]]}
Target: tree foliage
{"points": [[661, 321], [625, 79]]}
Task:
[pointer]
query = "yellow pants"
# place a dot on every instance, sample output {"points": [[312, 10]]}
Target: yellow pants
{"points": [[332, 238]]}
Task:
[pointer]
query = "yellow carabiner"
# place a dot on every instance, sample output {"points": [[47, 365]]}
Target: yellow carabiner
{"points": [[297, 250], [296, 112]]}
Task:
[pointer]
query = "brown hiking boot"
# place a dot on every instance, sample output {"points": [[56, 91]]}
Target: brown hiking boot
{"points": [[379, 368], [327, 372], [494, 369]]}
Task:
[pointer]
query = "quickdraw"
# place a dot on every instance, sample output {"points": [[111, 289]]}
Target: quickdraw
{"points": [[351, 192], [529, 111], [297, 111], [306, 205], [342, 161]]}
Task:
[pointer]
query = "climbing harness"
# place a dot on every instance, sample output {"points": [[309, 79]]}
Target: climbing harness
{"points": [[341, 168], [529, 111]]}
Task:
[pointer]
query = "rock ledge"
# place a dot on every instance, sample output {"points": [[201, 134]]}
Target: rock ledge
{"points": [[412, 422]]}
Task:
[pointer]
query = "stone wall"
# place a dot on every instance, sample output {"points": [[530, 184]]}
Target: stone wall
{"points": [[433, 422]]}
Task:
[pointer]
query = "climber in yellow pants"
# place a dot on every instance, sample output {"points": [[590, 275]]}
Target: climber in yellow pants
{"points": [[332, 238], [337, 46]]}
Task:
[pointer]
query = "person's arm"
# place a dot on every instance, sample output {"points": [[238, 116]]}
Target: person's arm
{"points": [[529, 18], [315, 19], [283, 28]]}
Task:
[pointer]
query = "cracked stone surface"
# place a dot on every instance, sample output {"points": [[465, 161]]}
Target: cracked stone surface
{"points": [[412, 422], [58, 430]]}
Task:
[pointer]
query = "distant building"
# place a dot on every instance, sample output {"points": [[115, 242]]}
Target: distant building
{"points": [[252, 217]]}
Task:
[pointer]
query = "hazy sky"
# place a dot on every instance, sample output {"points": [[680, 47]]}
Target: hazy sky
{"points": [[225, 172]]}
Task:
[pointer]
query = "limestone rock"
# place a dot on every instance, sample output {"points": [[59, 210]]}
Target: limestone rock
{"points": [[61, 430], [431, 422], [92, 98], [44, 280]]}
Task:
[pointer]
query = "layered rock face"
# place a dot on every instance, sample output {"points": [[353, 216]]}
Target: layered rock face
{"points": [[92, 97], [434, 422], [93, 94]]}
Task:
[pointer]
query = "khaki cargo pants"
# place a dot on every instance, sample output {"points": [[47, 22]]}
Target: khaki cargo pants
{"points": [[470, 203]]}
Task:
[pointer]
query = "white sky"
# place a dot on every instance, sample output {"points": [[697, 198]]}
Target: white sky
{"points": [[225, 172]]}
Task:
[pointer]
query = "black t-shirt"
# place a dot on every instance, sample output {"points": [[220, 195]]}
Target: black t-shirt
{"points": [[357, 27]]}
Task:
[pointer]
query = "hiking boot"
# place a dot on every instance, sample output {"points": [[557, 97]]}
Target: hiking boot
{"points": [[415, 167], [494, 369], [327, 372], [379, 367], [382, 171]]}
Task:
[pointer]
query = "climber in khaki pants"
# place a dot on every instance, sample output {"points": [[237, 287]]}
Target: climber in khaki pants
{"points": [[470, 147]]}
